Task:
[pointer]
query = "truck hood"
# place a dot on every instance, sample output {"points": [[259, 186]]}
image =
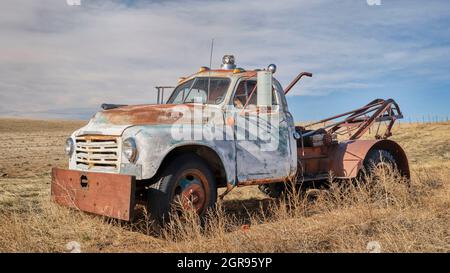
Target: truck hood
{"points": [[94, 128], [115, 121]]}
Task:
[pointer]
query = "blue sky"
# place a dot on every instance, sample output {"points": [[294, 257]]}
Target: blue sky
{"points": [[62, 61]]}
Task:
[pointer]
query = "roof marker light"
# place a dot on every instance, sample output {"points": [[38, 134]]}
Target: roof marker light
{"points": [[203, 69]]}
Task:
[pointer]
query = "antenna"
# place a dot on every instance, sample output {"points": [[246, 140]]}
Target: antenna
{"points": [[210, 64], [212, 49]]}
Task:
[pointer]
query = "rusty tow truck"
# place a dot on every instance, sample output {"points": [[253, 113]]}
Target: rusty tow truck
{"points": [[226, 127]]}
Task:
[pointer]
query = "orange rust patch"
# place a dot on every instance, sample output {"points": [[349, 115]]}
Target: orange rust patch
{"points": [[98, 137], [230, 121], [144, 114]]}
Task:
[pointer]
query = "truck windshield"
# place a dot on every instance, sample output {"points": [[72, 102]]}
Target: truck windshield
{"points": [[196, 90]]}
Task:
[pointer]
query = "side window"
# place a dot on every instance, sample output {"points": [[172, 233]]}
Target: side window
{"points": [[279, 90], [244, 92], [241, 95]]}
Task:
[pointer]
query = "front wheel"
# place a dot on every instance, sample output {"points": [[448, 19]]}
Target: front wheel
{"points": [[187, 183]]}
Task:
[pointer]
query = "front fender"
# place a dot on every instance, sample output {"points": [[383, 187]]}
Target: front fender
{"points": [[155, 142], [347, 158]]}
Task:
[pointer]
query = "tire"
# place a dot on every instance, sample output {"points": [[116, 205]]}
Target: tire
{"points": [[377, 159], [185, 183]]}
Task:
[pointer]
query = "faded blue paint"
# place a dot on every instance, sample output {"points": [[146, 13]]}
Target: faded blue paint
{"points": [[155, 142]]}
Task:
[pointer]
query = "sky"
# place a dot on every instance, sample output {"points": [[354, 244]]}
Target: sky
{"points": [[62, 61]]}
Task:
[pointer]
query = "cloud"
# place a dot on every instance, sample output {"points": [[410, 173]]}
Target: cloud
{"points": [[56, 58]]}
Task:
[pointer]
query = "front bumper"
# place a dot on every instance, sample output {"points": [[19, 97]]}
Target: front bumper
{"points": [[111, 195]]}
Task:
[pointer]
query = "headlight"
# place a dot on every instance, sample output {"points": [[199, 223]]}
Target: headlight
{"points": [[129, 149], [69, 146]]}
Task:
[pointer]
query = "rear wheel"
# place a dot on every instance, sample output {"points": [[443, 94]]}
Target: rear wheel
{"points": [[377, 160], [186, 183]]}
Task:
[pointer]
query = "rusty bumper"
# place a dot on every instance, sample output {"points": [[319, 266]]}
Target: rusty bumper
{"points": [[111, 195]]}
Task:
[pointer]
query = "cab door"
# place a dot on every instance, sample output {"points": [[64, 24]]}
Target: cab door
{"points": [[261, 135]]}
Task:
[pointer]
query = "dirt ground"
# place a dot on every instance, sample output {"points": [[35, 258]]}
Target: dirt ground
{"points": [[29, 222]]}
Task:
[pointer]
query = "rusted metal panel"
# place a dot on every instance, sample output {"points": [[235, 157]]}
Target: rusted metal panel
{"points": [[111, 195], [142, 114], [222, 73], [262, 181], [347, 157], [313, 160], [151, 114]]}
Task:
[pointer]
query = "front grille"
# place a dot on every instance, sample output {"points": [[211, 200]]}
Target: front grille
{"points": [[97, 152]]}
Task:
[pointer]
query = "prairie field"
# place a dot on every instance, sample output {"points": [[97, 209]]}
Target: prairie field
{"points": [[390, 216]]}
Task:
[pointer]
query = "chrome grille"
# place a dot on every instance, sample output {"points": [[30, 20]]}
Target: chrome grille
{"points": [[97, 152]]}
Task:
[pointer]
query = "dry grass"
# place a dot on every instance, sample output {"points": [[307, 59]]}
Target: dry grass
{"points": [[343, 218]]}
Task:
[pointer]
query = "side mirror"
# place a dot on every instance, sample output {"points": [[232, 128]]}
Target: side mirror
{"points": [[264, 85]]}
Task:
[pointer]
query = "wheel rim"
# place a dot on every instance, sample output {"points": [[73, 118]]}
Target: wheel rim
{"points": [[191, 191]]}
